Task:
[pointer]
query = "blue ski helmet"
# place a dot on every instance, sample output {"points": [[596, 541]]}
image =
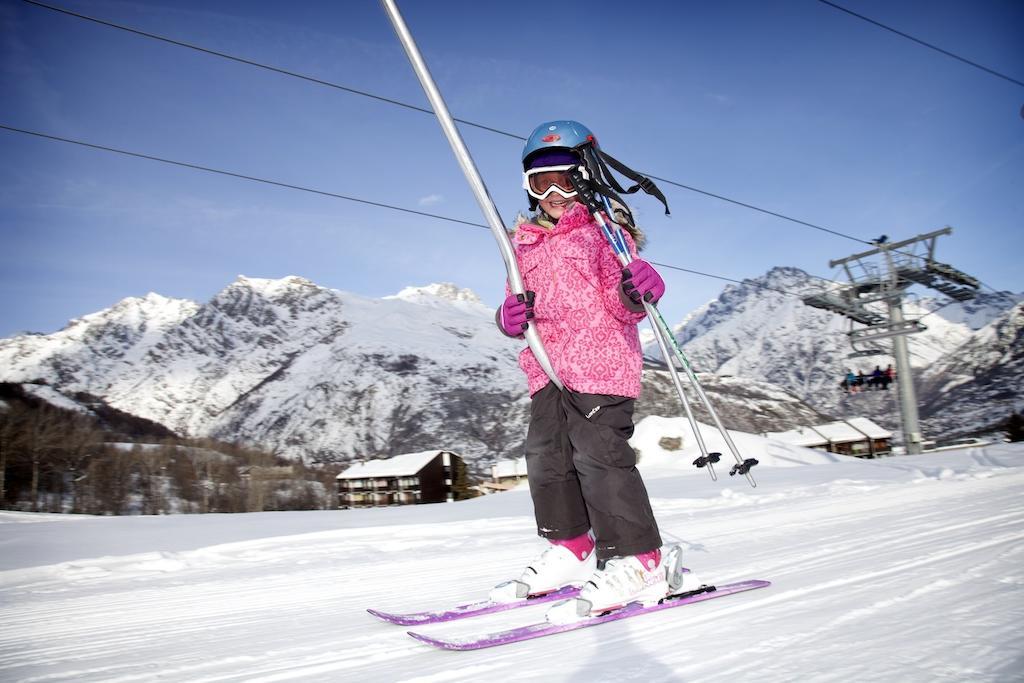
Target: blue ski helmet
{"points": [[555, 135]]}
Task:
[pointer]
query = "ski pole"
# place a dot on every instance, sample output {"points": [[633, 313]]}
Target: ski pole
{"points": [[619, 248], [469, 169], [665, 338], [706, 459]]}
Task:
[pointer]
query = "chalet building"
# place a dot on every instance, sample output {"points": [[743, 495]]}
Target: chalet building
{"points": [[857, 436], [505, 475], [410, 479]]}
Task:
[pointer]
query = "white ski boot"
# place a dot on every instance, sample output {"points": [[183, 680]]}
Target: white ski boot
{"points": [[624, 580], [555, 568]]}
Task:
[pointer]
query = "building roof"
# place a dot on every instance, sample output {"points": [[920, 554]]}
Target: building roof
{"points": [[839, 432], [801, 436], [870, 428], [842, 431], [397, 466], [510, 468]]}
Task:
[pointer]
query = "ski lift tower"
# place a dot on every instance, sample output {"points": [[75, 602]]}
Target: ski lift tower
{"points": [[902, 264]]}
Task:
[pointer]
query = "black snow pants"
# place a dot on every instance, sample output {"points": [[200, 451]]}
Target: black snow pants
{"points": [[583, 472]]}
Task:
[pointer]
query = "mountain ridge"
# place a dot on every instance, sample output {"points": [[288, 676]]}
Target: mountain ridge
{"points": [[327, 375], [760, 329]]}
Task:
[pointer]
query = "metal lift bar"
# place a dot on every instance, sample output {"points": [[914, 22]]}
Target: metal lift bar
{"points": [[469, 169]]}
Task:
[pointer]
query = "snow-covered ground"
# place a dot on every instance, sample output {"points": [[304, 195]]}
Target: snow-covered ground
{"points": [[903, 569]]}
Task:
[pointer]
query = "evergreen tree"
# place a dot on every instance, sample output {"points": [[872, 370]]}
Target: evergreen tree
{"points": [[462, 486], [1015, 427]]}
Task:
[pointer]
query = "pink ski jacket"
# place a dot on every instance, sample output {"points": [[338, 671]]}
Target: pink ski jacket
{"points": [[588, 332]]}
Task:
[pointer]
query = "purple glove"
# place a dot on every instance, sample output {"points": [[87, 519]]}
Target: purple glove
{"points": [[641, 281], [514, 314]]}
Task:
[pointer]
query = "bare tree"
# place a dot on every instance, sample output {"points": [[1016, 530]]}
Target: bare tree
{"points": [[183, 477], [80, 441], [43, 435], [9, 434]]}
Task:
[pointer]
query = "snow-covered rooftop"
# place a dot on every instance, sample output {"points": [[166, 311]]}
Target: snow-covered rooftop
{"points": [[870, 428], [854, 429], [397, 466], [510, 468], [842, 431], [839, 432], [802, 436]]}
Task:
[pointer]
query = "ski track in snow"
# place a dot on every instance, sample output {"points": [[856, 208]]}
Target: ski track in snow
{"points": [[908, 569]]}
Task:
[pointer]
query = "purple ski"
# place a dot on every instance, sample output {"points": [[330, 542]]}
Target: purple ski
{"points": [[541, 629], [472, 609]]}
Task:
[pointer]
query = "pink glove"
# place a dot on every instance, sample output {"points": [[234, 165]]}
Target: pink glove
{"points": [[514, 314], [641, 281]]}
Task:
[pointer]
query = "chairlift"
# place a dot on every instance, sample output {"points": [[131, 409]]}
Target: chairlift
{"points": [[886, 330], [862, 351], [866, 353]]}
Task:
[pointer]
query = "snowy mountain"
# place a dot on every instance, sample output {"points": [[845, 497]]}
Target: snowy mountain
{"points": [[91, 347], [439, 295], [745, 404], [328, 375], [762, 330], [979, 383], [297, 367], [976, 313]]}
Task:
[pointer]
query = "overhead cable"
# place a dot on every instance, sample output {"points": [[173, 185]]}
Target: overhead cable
{"points": [[406, 105], [921, 42], [388, 100], [232, 174], [334, 195], [258, 65]]}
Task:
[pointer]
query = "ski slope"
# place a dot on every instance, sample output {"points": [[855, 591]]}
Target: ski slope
{"points": [[903, 569]]}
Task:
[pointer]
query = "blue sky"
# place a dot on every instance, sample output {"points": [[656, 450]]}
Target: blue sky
{"points": [[792, 106]]}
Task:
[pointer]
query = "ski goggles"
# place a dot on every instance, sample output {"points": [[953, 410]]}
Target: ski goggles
{"points": [[541, 182]]}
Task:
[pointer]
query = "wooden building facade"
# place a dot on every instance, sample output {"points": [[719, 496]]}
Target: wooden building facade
{"points": [[410, 479]]}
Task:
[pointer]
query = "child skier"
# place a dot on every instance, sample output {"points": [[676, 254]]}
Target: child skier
{"points": [[590, 502]]}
